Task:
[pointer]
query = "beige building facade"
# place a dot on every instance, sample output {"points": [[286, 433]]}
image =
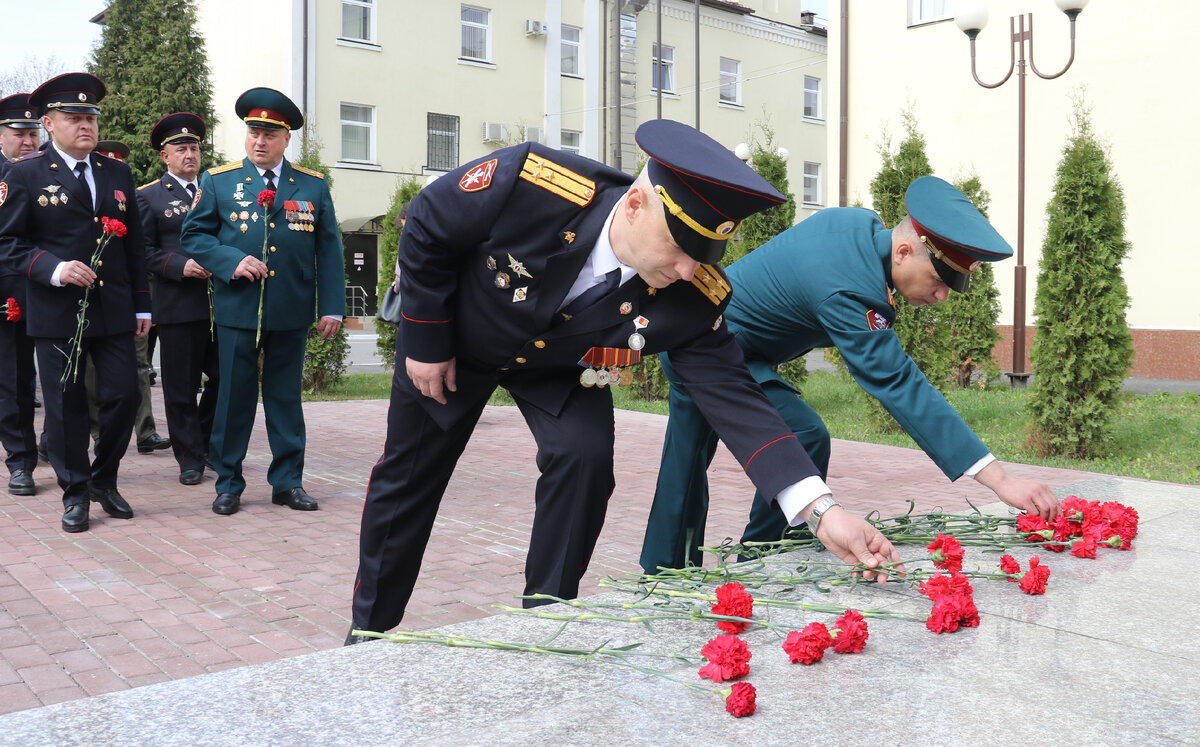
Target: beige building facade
{"points": [[910, 54], [410, 90]]}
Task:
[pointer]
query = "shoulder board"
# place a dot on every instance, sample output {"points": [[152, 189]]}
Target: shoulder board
{"points": [[227, 167], [30, 156], [558, 179], [146, 186], [310, 172], [711, 283], [110, 158]]}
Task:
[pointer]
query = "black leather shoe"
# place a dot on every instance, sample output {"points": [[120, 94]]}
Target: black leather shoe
{"points": [[20, 482], [296, 499], [227, 503], [153, 442], [352, 639], [112, 502], [75, 518], [191, 476]]}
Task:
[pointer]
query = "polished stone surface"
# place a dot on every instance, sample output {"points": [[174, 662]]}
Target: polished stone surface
{"points": [[1107, 656]]}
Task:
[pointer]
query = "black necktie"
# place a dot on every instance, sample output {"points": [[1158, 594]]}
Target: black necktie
{"points": [[191, 188], [592, 294], [80, 170], [270, 177]]}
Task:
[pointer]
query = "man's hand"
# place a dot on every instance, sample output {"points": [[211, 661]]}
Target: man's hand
{"points": [[251, 268], [1029, 496], [143, 328], [328, 326], [855, 541], [76, 273], [192, 269], [429, 377]]}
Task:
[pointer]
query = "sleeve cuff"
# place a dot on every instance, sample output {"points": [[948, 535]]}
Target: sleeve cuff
{"points": [[54, 276], [142, 316], [793, 499], [975, 468]]}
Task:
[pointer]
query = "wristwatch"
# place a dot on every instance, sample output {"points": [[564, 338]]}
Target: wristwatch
{"points": [[818, 510]]}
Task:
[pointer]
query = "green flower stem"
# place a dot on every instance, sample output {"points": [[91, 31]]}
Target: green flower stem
{"points": [[262, 289], [75, 345]]}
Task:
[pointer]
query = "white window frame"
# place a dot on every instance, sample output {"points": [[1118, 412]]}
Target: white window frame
{"points": [[919, 14], [369, 126], [813, 85], [457, 135], [369, 6], [812, 170], [576, 44], [571, 141], [464, 24], [667, 65], [730, 78]]}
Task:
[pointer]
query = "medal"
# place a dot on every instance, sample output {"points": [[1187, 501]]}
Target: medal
{"points": [[627, 308], [602, 378], [636, 341], [626, 377], [614, 377], [491, 263], [518, 267], [588, 377], [501, 280], [244, 215], [520, 294]]}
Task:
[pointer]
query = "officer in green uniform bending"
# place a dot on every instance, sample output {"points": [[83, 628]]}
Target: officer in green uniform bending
{"points": [[828, 281], [267, 231]]}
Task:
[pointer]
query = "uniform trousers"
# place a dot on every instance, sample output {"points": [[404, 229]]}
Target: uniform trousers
{"points": [[675, 529], [66, 424], [237, 402], [187, 351], [143, 419], [574, 456], [16, 396]]}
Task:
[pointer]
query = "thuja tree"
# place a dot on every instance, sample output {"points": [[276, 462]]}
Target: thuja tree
{"points": [[389, 245], [324, 360], [152, 60], [972, 316], [1082, 350]]}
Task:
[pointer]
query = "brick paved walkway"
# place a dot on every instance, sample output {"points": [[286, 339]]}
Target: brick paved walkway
{"points": [[180, 591]]}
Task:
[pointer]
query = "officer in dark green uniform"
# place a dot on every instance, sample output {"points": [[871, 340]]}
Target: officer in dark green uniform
{"points": [[828, 282], [274, 262]]}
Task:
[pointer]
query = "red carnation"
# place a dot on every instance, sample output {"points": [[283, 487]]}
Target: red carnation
{"points": [[808, 646], [1122, 519], [947, 552], [13, 310], [266, 198], [1034, 580], [851, 633], [940, 585], [952, 611], [1009, 565], [1030, 523], [113, 226], [740, 700], [728, 656], [1086, 547], [735, 601]]}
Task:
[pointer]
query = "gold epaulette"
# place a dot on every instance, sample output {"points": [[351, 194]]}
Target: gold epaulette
{"points": [[710, 282], [151, 184], [561, 181], [310, 172], [227, 167]]}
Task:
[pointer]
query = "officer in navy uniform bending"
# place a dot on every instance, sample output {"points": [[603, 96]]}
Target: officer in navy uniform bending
{"points": [[50, 225], [187, 335], [564, 274]]}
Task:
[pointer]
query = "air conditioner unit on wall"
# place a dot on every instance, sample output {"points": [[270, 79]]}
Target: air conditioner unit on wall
{"points": [[534, 28], [494, 132], [535, 134]]}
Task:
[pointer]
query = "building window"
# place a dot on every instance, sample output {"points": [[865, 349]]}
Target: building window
{"points": [[442, 152], [571, 141], [812, 183], [358, 133], [927, 11], [812, 97], [358, 20], [476, 34], [662, 76], [731, 81], [570, 50]]}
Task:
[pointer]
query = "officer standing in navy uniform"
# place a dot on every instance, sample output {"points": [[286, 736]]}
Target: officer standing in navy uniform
{"points": [[828, 282], [303, 273], [181, 294], [20, 131], [564, 274], [50, 225]]}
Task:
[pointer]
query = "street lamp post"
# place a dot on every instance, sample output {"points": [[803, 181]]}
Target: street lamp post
{"points": [[971, 18]]}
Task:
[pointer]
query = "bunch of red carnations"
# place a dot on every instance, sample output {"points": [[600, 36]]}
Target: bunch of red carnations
{"points": [[1096, 524]]}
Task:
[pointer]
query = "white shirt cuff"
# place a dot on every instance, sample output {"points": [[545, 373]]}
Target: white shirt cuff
{"points": [[975, 468], [795, 498], [54, 279], [142, 316]]}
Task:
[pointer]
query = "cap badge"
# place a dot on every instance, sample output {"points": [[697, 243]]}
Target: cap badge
{"points": [[28, 115], [726, 228], [185, 130], [83, 97]]}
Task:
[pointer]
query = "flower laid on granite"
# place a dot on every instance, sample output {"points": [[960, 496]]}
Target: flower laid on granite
{"points": [[728, 657], [947, 552], [110, 227], [953, 603], [733, 600], [1009, 566], [12, 310], [266, 198], [1108, 524], [740, 700], [850, 633], [1034, 580], [808, 646]]}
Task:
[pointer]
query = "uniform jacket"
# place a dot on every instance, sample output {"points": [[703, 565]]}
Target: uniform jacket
{"points": [[826, 282], [163, 204], [45, 221], [533, 214], [304, 253], [12, 280]]}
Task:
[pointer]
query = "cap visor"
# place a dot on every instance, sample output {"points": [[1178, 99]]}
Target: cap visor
{"points": [[700, 248], [957, 281]]}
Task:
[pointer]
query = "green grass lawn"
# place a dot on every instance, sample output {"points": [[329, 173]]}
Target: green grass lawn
{"points": [[1154, 436]]}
